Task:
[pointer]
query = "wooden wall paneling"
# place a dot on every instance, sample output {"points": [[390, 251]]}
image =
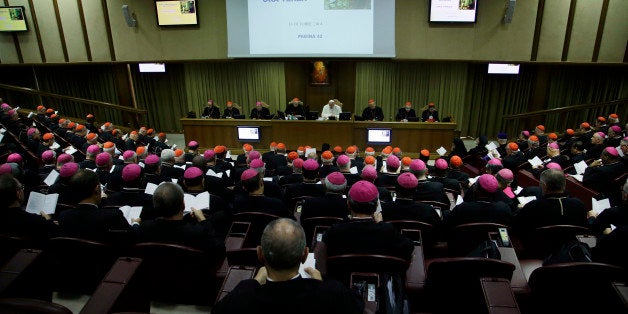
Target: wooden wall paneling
{"points": [[16, 42], [572, 12], [88, 49], [64, 46], [537, 30], [584, 31], [615, 33], [40, 44], [112, 50]]}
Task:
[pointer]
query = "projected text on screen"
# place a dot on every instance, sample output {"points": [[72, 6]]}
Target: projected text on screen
{"points": [[310, 27]]}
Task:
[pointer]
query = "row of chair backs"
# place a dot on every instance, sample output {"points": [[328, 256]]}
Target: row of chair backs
{"points": [[561, 287], [340, 267], [177, 274], [454, 284], [78, 264]]}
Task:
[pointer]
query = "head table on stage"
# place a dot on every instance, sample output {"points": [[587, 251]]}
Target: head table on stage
{"points": [[411, 137]]}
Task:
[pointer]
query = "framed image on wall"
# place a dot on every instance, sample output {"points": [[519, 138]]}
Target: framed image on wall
{"points": [[319, 75]]}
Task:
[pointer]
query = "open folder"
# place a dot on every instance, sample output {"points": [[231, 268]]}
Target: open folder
{"points": [[200, 201], [38, 202]]}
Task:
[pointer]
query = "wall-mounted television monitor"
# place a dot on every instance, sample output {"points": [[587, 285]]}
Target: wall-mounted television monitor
{"points": [[378, 136], [502, 68], [249, 134], [453, 11], [176, 12], [152, 67], [13, 19]]}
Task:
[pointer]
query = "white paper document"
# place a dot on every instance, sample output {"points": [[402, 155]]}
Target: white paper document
{"points": [[459, 200], [228, 155], [353, 170], [1, 137], [131, 213], [38, 202], [150, 188], [200, 201], [492, 154], [441, 151], [599, 206], [180, 167], [51, 178], [211, 172], [70, 150], [472, 180], [309, 262], [525, 199], [578, 177], [621, 153], [580, 167], [174, 146], [535, 162], [491, 146], [310, 150], [54, 146], [518, 190]]}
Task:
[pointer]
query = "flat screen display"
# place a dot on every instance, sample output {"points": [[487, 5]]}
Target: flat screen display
{"points": [[152, 67], [179, 12], [310, 28], [453, 11], [12, 19], [501, 68], [378, 136], [248, 134]]}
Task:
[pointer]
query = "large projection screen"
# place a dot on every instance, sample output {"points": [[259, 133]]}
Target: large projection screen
{"points": [[310, 28]]}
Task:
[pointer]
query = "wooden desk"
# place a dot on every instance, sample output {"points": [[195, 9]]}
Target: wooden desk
{"points": [[411, 137]]}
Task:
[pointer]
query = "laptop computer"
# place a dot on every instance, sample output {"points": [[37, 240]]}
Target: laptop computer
{"points": [[413, 119], [238, 116], [344, 116], [358, 118]]}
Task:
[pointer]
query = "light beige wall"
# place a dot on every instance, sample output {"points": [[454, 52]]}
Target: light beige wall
{"points": [[585, 24], [487, 40], [613, 44], [96, 30], [148, 41], [553, 27]]}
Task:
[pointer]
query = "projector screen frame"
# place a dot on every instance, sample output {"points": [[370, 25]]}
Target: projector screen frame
{"points": [[259, 133], [368, 141], [240, 46], [177, 25], [429, 16], [23, 8]]}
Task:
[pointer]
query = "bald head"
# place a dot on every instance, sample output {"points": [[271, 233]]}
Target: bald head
{"points": [[283, 244]]}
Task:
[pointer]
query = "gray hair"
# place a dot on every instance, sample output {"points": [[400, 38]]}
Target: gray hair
{"points": [[167, 155], [554, 180]]}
